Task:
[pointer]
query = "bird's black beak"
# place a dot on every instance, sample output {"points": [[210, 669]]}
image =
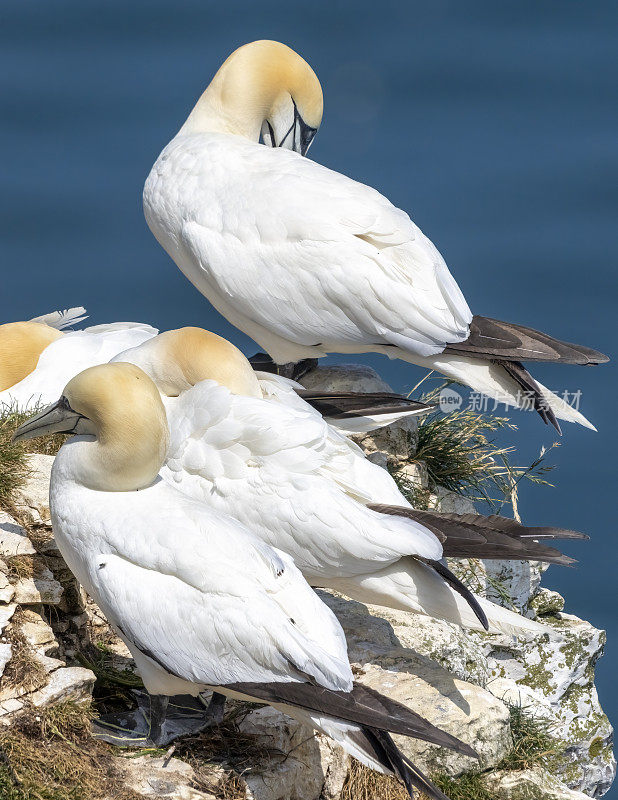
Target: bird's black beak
{"points": [[303, 133], [57, 418], [298, 136]]}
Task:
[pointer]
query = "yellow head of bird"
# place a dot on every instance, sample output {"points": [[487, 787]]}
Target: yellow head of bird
{"points": [[264, 89], [21, 344]]}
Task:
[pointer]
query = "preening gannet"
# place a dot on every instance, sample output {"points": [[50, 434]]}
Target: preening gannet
{"points": [[200, 602], [37, 359], [255, 450], [307, 261]]}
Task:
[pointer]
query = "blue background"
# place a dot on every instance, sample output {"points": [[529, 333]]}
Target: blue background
{"points": [[493, 124]]}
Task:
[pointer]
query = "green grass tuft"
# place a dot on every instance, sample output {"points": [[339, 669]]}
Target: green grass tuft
{"points": [[533, 744], [461, 454], [13, 462], [468, 786]]}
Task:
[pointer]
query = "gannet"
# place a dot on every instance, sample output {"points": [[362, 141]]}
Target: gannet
{"points": [[308, 262], [200, 602], [255, 450], [37, 358]]}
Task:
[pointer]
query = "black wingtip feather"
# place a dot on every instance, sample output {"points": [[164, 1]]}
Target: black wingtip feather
{"points": [[411, 776], [342, 405], [492, 338], [489, 537], [454, 582]]}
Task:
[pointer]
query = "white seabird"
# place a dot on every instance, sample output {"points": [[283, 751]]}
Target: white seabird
{"points": [[199, 601], [308, 262], [249, 446], [37, 358]]}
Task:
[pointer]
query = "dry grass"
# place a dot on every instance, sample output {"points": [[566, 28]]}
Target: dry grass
{"points": [[227, 747], [363, 783], [23, 669], [48, 754]]}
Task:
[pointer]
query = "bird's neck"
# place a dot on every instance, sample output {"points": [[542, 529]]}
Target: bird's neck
{"points": [[120, 462]]}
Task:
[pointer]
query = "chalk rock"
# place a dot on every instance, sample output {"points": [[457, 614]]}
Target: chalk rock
{"points": [[344, 378], [529, 785], [545, 601], [14, 540], [384, 657], [6, 651], [37, 632], [66, 683], [156, 777], [442, 499], [6, 612], [33, 496], [552, 676], [41, 588], [304, 765]]}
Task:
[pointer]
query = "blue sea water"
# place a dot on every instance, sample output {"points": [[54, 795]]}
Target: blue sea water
{"points": [[494, 124]]}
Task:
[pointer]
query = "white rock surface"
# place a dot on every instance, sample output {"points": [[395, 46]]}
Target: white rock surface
{"points": [[14, 540], [309, 766], [156, 777], [42, 588], [553, 677], [345, 378], [33, 496], [384, 657], [529, 785], [66, 683]]}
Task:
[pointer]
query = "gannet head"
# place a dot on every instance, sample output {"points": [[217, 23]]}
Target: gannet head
{"points": [[177, 360], [263, 89], [21, 344], [119, 408]]}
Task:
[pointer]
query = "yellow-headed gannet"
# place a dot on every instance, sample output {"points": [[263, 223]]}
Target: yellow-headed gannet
{"points": [[200, 601], [307, 261], [257, 451], [37, 358]]}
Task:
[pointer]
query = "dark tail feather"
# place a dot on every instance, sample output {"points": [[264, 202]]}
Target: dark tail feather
{"points": [[531, 389], [492, 537], [505, 341], [362, 706], [454, 582], [342, 405], [388, 755]]}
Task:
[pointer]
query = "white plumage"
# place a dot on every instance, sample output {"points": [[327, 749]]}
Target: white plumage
{"points": [[307, 261], [262, 455], [199, 600], [70, 354], [63, 319], [304, 488], [223, 601], [303, 259]]}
